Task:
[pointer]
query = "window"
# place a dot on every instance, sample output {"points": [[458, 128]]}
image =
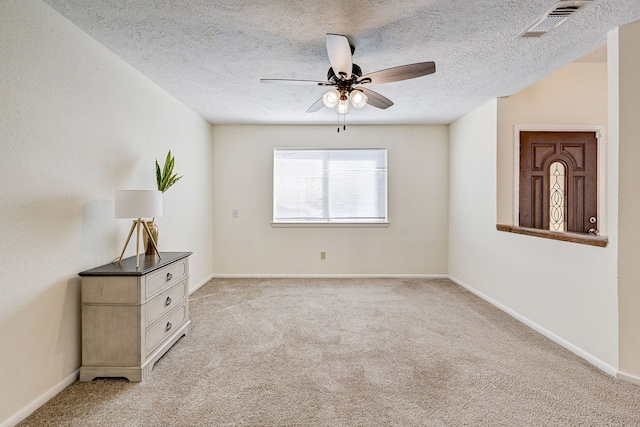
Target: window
{"points": [[330, 186]]}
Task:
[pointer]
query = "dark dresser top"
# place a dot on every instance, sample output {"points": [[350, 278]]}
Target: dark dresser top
{"points": [[127, 267]]}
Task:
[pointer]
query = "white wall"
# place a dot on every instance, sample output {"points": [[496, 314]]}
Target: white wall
{"points": [[624, 58], [566, 290], [77, 123], [414, 244]]}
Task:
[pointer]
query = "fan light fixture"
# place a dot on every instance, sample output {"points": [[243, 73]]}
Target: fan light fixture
{"points": [[343, 104], [331, 98], [340, 100], [358, 98]]}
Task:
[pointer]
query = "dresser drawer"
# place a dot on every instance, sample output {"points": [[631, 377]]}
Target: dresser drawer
{"points": [[165, 302], [164, 328], [165, 277]]}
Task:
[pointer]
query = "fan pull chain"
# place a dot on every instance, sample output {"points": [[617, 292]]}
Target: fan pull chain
{"points": [[344, 122]]}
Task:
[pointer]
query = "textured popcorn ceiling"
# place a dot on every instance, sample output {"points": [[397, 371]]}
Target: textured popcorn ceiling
{"points": [[211, 54]]}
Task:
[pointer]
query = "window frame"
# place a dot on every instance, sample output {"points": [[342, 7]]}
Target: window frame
{"points": [[334, 223]]}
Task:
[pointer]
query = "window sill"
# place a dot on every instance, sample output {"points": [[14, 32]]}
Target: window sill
{"points": [[584, 239], [330, 224]]}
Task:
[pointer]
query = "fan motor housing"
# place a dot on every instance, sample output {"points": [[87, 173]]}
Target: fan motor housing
{"points": [[356, 72]]}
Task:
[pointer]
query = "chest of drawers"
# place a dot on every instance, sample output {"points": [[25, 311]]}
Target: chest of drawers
{"points": [[131, 317]]}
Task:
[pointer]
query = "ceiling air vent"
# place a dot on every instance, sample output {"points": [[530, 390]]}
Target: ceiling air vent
{"points": [[554, 17]]}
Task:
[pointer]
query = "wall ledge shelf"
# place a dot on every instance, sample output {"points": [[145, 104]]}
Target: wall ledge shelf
{"points": [[584, 239]]}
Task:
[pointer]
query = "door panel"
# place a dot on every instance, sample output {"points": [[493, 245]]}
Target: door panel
{"points": [[576, 220], [537, 201]]}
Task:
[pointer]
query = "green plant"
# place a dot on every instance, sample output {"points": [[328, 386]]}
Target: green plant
{"points": [[165, 177]]}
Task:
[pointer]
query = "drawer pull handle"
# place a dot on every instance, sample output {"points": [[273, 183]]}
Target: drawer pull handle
{"points": [[169, 325], [168, 301], [169, 276]]}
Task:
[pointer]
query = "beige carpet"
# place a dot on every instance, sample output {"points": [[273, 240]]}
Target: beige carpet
{"points": [[352, 352]]}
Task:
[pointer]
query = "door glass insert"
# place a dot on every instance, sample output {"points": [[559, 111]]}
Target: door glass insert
{"points": [[556, 197]]}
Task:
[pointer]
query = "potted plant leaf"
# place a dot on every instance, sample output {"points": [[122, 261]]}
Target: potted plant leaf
{"points": [[165, 178]]}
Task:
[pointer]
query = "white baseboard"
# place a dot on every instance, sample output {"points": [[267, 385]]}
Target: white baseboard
{"points": [[553, 337], [330, 276], [199, 285], [41, 400], [628, 378]]}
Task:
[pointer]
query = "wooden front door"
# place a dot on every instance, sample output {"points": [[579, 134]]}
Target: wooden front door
{"points": [[558, 181]]}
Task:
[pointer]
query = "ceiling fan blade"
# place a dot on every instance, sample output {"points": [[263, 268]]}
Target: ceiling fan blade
{"points": [[316, 106], [375, 99], [396, 74], [339, 51], [296, 82]]}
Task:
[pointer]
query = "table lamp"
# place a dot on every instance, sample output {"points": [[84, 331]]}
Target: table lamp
{"points": [[138, 204]]}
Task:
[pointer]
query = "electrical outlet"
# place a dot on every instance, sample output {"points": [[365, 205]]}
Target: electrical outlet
{"points": [[235, 213], [323, 255]]}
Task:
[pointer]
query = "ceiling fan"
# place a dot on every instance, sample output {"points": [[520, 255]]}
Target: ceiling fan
{"points": [[349, 83]]}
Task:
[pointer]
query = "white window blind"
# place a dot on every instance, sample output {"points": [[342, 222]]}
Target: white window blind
{"points": [[330, 185]]}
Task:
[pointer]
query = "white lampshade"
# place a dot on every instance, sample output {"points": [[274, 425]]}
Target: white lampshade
{"points": [[331, 98], [138, 203], [358, 98]]}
